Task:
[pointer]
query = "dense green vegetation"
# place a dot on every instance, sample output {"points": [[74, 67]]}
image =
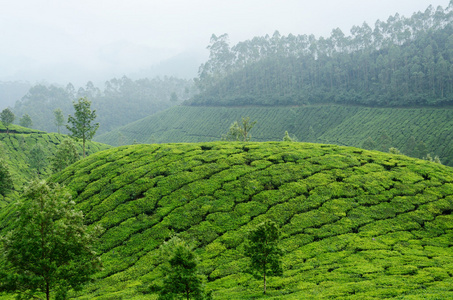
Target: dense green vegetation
{"points": [[121, 101], [355, 224], [335, 124], [49, 249], [400, 62], [17, 145]]}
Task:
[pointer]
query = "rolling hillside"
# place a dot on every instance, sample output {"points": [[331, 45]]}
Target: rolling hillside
{"points": [[336, 124], [16, 147], [355, 224]]}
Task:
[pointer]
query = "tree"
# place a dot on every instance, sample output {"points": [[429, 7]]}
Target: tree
{"points": [[174, 97], [287, 138], [49, 250], [82, 123], [394, 150], [262, 248], [239, 132], [59, 119], [26, 121], [65, 155], [182, 279], [37, 158], [7, 117]]}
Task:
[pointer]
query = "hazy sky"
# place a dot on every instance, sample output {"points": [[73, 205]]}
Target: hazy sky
{"points": [[62, 41]]}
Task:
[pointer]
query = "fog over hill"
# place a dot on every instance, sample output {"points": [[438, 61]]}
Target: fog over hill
{"points": [[79, 41]]}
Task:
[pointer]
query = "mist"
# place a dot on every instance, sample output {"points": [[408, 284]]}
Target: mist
{"points": [[61, 42]]}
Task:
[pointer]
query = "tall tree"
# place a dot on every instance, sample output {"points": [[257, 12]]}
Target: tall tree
{"points": [[82, 125], [7, 117], [49, 250], [264, 252], [59, 118], [26, 121]]}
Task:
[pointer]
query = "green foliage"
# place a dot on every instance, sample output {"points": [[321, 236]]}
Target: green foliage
{"points": [[59, 118], [37, 158], [181, 277], [353, 223], [7, 118], [16, 152], [117, 103], [65, 155], [6, 182], [239, 132], [26, 121], [400, 62], [49, 248], [342, 125], [287, 138], [81, 126], [264, 252]]}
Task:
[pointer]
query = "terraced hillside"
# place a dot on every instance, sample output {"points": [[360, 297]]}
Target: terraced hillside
{"points": [[16, 147], [355, 224], [342, 125]]}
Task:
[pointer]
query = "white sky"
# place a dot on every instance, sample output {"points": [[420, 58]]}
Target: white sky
{"points": [[77, 41]]}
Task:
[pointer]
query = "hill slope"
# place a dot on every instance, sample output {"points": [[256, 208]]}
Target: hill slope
{"points": [[400, 62], [343, 125], [355, 224], [16, 147]]}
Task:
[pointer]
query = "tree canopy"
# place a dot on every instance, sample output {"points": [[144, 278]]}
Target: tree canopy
{"points": [[26, 121], [264, 252], [49, 250], [7, 118], [400, 62], [239, 131], [82, 126]]}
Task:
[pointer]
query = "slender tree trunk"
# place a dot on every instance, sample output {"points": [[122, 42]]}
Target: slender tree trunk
{"points": [[47, 291], [83, 148]]}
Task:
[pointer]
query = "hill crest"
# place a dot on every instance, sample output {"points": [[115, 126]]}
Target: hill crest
{"points": [[355, 223]]}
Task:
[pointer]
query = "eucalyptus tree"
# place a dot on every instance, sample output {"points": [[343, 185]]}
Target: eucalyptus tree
{"points": [[82, 126], [59, 118]]}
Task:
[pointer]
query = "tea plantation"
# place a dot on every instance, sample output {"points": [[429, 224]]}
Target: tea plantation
{"points": [[332, 124], [355, 224], [15, 148]]}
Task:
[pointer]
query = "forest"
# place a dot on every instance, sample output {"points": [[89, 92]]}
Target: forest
{"points": [[120, 102], [399, 63]]}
